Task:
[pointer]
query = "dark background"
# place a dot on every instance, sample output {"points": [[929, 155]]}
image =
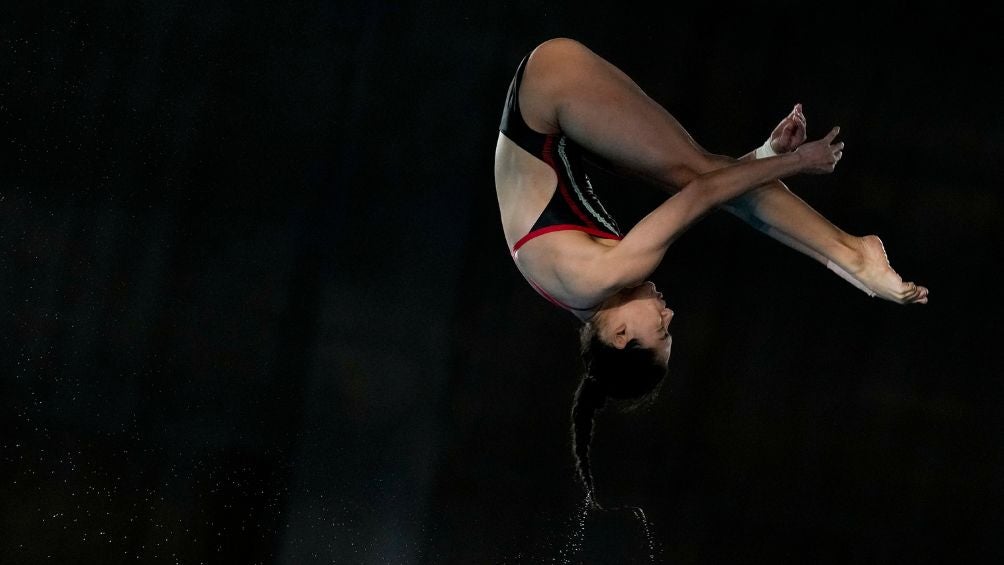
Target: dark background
{"points": [[257, 306]]}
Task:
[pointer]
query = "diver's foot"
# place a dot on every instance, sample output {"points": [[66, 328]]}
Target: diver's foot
{"points": [[875, 273]]}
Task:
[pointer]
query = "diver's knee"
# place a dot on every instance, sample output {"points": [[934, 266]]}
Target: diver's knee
{"points": [[561, 55], [560, 44]]}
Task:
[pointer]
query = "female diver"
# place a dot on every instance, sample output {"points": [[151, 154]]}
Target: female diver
{"points": [[566, 101]]}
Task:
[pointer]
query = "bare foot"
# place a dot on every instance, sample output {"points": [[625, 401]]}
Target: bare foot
{"points": [[876, 274]]}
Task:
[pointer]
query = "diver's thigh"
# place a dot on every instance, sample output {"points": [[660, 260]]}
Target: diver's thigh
{"points": [[569, 88]]}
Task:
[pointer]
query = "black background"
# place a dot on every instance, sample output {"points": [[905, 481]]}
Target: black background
{"points": [[257, 306]]}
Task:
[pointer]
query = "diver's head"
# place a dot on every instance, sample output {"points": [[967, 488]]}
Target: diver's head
{"points": [[625, 351], [636, 317]]}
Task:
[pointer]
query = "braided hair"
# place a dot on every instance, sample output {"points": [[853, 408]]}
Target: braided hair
{"points": [[630, 376]]}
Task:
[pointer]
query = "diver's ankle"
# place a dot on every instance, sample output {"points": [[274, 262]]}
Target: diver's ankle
{"points": [[852, 256]]}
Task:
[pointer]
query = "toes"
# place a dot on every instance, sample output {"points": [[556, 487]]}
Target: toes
{"points": [[909, 292], [915, 294]]}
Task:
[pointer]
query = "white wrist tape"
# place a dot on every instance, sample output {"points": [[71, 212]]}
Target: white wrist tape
{"points": [[764, 150], [849, 278]]}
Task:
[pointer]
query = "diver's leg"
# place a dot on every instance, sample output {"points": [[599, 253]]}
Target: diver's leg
{"points": [[568, 88]]}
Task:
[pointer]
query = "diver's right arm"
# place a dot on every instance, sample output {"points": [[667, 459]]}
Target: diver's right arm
{"points": [[634, 258]]}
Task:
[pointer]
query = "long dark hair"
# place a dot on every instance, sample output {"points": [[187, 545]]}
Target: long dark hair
{"points": [[631, 377]]}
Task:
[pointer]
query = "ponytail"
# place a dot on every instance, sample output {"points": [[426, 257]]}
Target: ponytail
{"points": [[633, 374], [589, 398]]}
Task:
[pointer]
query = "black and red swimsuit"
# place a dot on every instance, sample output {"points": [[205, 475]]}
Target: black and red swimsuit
{"points": [[574, 205]]}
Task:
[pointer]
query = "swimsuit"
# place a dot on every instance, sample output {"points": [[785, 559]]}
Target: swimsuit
{"points": [[574, 205]]}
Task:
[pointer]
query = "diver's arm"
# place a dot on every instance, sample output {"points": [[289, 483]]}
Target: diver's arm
{"points": [[634, 258]]}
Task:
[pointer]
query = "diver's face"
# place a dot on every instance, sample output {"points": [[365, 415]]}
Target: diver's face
{"points": [[638, 313]]}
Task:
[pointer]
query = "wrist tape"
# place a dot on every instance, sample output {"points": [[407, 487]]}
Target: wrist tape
{"points": [[764, 150]]}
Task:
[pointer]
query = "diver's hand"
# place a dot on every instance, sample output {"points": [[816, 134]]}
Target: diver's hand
{"points": [[820, 156], [789, 133]]}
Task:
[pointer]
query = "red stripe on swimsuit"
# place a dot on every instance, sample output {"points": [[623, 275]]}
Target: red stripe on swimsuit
{"points": [[574, 205]]}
